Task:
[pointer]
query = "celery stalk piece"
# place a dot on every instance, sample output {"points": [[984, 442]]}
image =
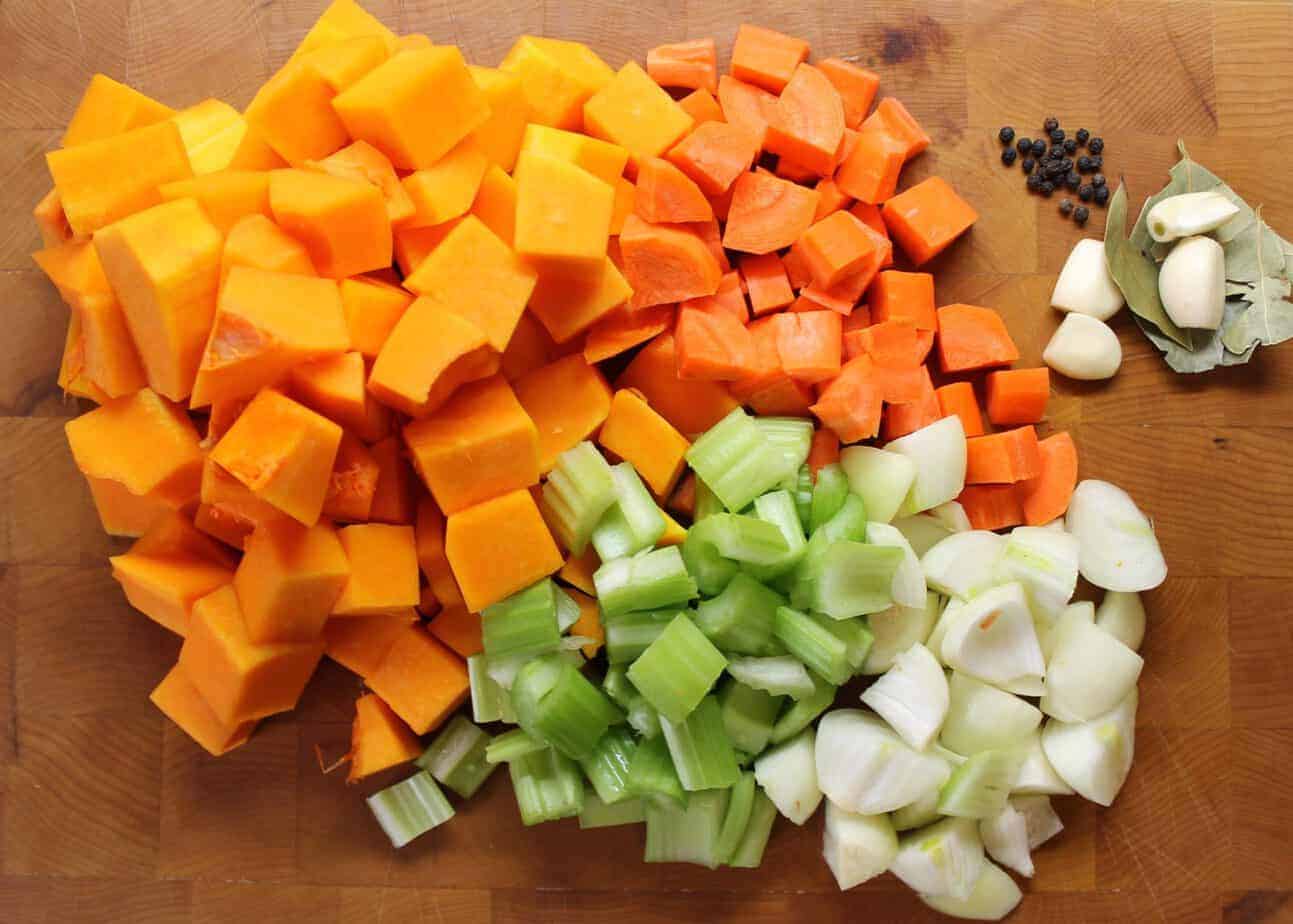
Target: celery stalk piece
{"points": [[993, 896], [1045, 562], [652, 775], [700, 750], [912, 696], [847, 579], [1089, 673], [643, 718], [598, 814], [993, 637], [1036, 775], [828, 495], [953, 516], [607, 767], [980, 787], [748, 715], [857, 847], [740, 805], [938, 454], [813, 644], [523, 625], [650, 581], [981, 717], [629, 634], [863, 766], [942, 859], [578, 492], [633, 522], [737, 461], [749, 852], [788, 775], [1039, 819], [898, 628], [617, 686], [457, 757], [557, 704], [677, 669], [410, 808], [909, 580], [849, 522], [780, 676], [922, 531], [1005, 838], [1118, 548], [1094, 757], [686, 835], [1122, 615], [511, 745], [803, 710], [856, 635], [490, 702], [739, 620], [737, 538], [567, 611], [778, 508], [793, 436], [705, 563], [803, 494], [547, 785], [881, 478], [706, 503], [963, 564]]}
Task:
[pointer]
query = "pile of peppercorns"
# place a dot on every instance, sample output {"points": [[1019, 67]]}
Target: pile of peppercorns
{"points": [[1052, 166]]}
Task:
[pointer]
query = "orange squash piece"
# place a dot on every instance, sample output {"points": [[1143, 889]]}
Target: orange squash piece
{"points": [[570, 303], [227, 509], [361, 161], [293, 113], [421, 680], [602, 159], [665, 264], [379, 740], [459, 629], [358, 643], [495, 203], [52, 220], [692, 407], [855, 85], [226, 197], [637, 434], [624, 328], [383, 570], [344, 19], [341, 64], [499, 547], [334, 386], [355, 473], [218, 138], [767, 213], [557, 77], [578, 570], [447, 188], [429, 534], [691, 65], [807, 125], [289, 580], [110, 108], [372, 310], [567, 400], [499, 136], [635, 113], [257, 242], [394, 500], [702, 106], [529, 348], [182, 703], [766, 58], [713, 155], [342, 222], [563, 214], [589, 624], [925, 219]]}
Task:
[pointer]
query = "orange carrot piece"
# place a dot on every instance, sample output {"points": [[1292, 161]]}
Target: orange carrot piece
{"points": [[891, 343], [788, 169], [992, 506], [855, 85], [692, 65], [892, 117], [830, 198], [836, 247], [901, 419], [664, 194], [926, 218], [746, 106], [870, 172], [797, 271], [712, 236], [766, 281], [666, 264], [1046, 497], [858, 319], [808, 122], [1018, 396], [692, 407], [712, 345], [728, 298], [770, 390], [623, 329], [683, 499], [809, 344], [825, 449], [767, 213], [702, 107], [958, 398], [458, 628], [850, 404], [845, 294], [902, 384], [909, 296], [766, 58], [714, 155], [854, 344], [870, 215], [1003, 458], [970, 337]]}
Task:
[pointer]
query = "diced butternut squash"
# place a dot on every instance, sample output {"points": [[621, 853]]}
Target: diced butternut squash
{"points": [[52, 220], [766, 58], [637, 434], [394, 501], [499, 136], [499, 547], [239, 679], [529, 348], [283, 452], [665, 264], [257, 242], [372, 310], [568, 304], [692, 407], [458, 628], [567, 400], [334, 386], [926, 218], [362, 161], [228, 510], [342, 222], [447, 188], [383, 570], [217, 137], [602, 159], [123, 513], [359, 643], [379, 739], [429, 533], [557, 78], [563, 213], [289, 580], [110, 108], [421, 680], [589, 623], [226, 197], [635, 113], [495, 203], [354, 482], [413, 245], [624, 328], [180, 701], [578, 570], [293, 113], [344, 19], [342, 64]]}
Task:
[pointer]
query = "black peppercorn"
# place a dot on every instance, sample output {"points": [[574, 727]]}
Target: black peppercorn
{"points": [[1039, 147], [1084, 164], [1034, 182], [1051, 124], [1086, 192], [1066, 206], [1070, 146], [1083, 136], [1008, 156], [1072, 180], [1006, 135], [1081, 214], [1102, 196], [1095, 145], [1097, 162], [1068, 164], [1057, 136], [1028, 164], [1053, 168], [1055, 152], [1047, 188], [1024, 145], [1098, 180]]}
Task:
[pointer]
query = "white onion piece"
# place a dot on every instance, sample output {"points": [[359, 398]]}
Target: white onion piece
{"points": [[912, 696], [944, 859], [981, 717], [993, 897], [939, 454], [897, 629], [1045, 561], [789, 777], [994, 639], [953, 516], [1117, 546], [1089, 673], [863, 766], [1094, 757], [909, 579], [1084, 284], [1040, 818], [1122, 615], [1036, 775], [857, 847], [922, 531], [963, 564], [882, 479], [1005, 837]]}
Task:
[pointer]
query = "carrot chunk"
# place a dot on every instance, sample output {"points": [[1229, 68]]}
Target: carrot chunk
{"points": [[970, 337], [666, 264], [712, 345], [901, 419], [666, 194], [767, 213], [830, 198], [1018, 396], [958, 398], [837, 246], [855, 85], [692, 65], [808, 344], [1003, 458], [766, 58], [728, 298], [1046, 497], [766, 282], [692, 407], [825, 449], [926, 218], [746, 106], [908, 296], [701, 106], [870, 215], [770, 390], [892, 117], [992, 506], [870, 172], [851, 405], [808, 121], [714, 155]]}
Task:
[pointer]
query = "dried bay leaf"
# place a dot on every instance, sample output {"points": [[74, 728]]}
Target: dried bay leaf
{"points": [[1210, 353]]}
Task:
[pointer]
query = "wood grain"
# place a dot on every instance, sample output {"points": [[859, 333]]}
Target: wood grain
{"points": [[109, 814]]}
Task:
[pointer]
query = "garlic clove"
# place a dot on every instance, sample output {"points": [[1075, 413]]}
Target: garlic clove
{"points": [[1192, 283], [1189, 214], [1084, 284], [1084, 348]]}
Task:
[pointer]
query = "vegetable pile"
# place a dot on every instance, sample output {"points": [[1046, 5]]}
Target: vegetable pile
{"points": [[350, 351]]}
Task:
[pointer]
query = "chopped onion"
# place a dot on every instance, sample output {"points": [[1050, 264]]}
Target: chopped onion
{"points": [[788, 776], [863, 766], [909, 579], [1117, 546], [1045, 562], [912, 696], [939, 453], [1094, 757], [1039, 818], [1036, 775], [897, 629], [1089, 673], [993, 897], [1005, 837], [981, 717], [1122, 615], [857, 847], [944, 859], [963, 564], [993, 638], [881, 478]]}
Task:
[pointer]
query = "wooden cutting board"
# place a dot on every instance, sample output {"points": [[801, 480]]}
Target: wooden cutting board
{"points": [[110, 814]]}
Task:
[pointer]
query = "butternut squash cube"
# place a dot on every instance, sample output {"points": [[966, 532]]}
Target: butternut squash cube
{"points": [[344, 19], [602, 159], [358, 643], [495, 203], [123, 513], [459, 629], [226, 197], [393, 501], [164, 265], [342, 222], [429, 535], [567, 400], [414, 41], [257, 242], [383, 570], [557, 78], [266, 324], [283, 452], [563, 214], [448, 187], [110, 108], [341, 64], [354, 482], [289, 580], [570, 303], [415, 106], [103, 181], [227, 509], [379, 739], [479, 445], [180, 701], [335, 387], [52, 220], [217, 137], [362, 161], [413, 245], [240, 679], [372, 310], [476, 276], [499, 547], [637, 114], [293, 113], [499, 136], [637, 434], [420, 679]]}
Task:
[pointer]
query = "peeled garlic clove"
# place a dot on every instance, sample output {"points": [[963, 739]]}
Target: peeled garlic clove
{"points": [[1085, 285], [1192, 283], [1084, 348], [1189, 214]]}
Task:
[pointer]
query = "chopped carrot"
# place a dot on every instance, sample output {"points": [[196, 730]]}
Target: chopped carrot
{"points": [[722, 205], [712, 345], [683, 499], [845, 294], [766, 58], [1003, 458], [850, 404], [858, 319], [893, 119], [854, 343], [712, 237], [992, 506], [808, 344], [870, 172], [926, 218], [782, 397], [746, 106], [904, 295], [855, 85], [692, 65], [664, 194], [1046, 497], [958, 398], [902, 384], [830, 198], [796, 172], [665, 263], [970, 337], [1018, 396], [836, 247], [770, 390], [797, 271], [765, 279], [870, 215], [623, 329], [458, 628], [825, 449], [767, 213], [714, 155], [692, 407], [728, 298], [808, 122], [891, 343], [702, 107], [901, 419]]}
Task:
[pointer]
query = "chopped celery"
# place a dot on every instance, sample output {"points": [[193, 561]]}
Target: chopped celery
{"points": [[881, 478], [607, 767], [793, 436], [567, 610], [633, 522], [740, 803], [740, 538], [598, 814], [677, 669], [410, 808], [700, 749], [804, 497], [780, 676], [848, 579], [706, 565], [547, 785], [737, 461], [829, 492], [558, 704], [778, 508], [490, 702], [749, 852], [649, 581], [629, 634], [457, 757], [578, 492], [848, 522], [817, 648], [748, 715], [511, 745], [523, 625], [803, 710], [856, 635], [652, 775], [739, 620], [686, 835], [979, 787], [617, 686], [706, 503], [643, 718]]}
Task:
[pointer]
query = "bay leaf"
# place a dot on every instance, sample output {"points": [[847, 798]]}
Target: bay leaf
{"points": [[1210, 353], [1266, 319], [1135, 273], [1254, 253]]}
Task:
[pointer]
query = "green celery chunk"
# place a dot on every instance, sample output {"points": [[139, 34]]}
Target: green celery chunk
{"points": [[557, 704], [617, 686], [643, 718], [567, 610], [578, 492], [490, 702], [740, 805], [781, 675], [848, 522], [739, 620], [793, 436], [820, 650], [854, 633], [629, 634], [706, 503], [804, 710], [716, 547], [547, 785], [511, 745], [649, 581], [737, 461], [598, 814], [748, 715], [980, 787], [607, 767], [778, 508], [677, 669], [700, 749], [523, 625], [804, 497], [457, 757], [633, 522], [847, 579], [410, 808], [749, 852], [652, 775], [829, 493], [686, 835]]}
